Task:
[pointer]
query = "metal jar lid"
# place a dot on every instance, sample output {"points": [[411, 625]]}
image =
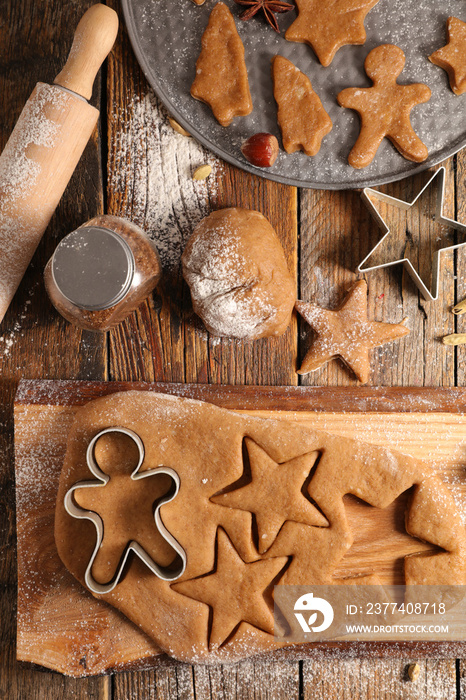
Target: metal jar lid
{"points": [[93, 268]]}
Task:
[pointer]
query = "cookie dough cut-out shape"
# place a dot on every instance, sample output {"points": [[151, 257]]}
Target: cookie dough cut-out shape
{"points": [[204, 444], [302, 119], [327, 25], [234, 591], [452, 57], [280, 484], [120, 502], [346, 333], [415, 233], [221, 77], [431, 516], [385, 108]]}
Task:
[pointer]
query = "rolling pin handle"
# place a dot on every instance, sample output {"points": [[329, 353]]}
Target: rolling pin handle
{"points": [[93, 41]]}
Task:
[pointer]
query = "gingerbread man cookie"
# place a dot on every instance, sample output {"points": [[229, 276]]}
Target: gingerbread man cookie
{"points": [[385, 108], [221, 77], [452, 57], [327, 26], [346, 333], [301, 117]]}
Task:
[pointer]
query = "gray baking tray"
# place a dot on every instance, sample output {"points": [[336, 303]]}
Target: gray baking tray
{"points": [[166, 37]]}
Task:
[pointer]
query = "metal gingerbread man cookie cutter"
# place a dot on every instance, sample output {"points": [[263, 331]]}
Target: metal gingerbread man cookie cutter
{"points": [[164, 573]]}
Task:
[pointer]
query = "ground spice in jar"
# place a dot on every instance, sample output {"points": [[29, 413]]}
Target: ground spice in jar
{"points": [[101, 272]]}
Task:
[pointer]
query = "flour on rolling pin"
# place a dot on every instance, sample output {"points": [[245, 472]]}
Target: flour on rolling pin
{"points": [[19, 175], [45, 147]]}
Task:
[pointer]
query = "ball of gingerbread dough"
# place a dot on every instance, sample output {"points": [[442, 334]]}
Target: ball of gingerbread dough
{"points": [[236, 270]]}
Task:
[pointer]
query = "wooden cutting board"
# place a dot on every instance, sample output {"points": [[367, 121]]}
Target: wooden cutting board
{"points": [[61, 626]]}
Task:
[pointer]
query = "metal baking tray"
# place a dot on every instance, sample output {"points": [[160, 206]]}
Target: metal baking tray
{"points": [[166, 37]]}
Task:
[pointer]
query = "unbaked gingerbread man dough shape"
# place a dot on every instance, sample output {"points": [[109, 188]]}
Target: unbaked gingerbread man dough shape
{"points": [[385, 108]]}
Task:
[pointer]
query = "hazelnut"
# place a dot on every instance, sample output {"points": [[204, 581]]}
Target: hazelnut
{"points": [[261, 150]]}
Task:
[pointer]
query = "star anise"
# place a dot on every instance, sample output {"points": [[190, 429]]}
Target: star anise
{"points": [[268, 7]]}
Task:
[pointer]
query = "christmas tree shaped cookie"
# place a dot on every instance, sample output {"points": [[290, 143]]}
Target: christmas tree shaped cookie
{"points": [[221, 77], [301, 117]]}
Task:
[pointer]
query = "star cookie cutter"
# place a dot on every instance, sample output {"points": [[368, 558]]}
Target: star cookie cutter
{"points": [[75, 511], [428, 294]]}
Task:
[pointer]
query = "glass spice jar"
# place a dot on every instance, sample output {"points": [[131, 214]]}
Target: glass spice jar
{"points": [[101, 272]]}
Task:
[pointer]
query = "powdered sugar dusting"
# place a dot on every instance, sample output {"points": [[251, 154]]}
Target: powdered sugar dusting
{"points": [[216, 272], [45, 589], [154, 169], [18, 172], [42, 433], [21, 214], [170, 44]]}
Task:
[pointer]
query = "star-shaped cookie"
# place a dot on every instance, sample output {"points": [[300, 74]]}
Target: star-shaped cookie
{"points": [[274, 494], [346, 333], [452, 57], [234, 591], [328, 25], [385, 108], [415, 233]]}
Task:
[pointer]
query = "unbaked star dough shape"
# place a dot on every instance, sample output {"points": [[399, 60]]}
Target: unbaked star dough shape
{"points": [[327, 25], [280, 484], [204, 445], [452, 57], [301, 116], [346, 333], [384, 109], [221, 76], [235, 591]]}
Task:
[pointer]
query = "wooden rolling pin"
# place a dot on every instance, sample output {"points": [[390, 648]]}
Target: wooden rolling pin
{"points": [[45, 147]]}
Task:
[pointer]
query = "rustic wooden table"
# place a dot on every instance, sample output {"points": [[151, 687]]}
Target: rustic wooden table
{"points": [[137, 167]]}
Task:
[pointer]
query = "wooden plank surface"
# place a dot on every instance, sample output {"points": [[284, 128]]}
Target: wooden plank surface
{"points": [[164, 341], [35, 38], [54, 611], [143, 154], [267, 398], [385, 681], [251, 679]]}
